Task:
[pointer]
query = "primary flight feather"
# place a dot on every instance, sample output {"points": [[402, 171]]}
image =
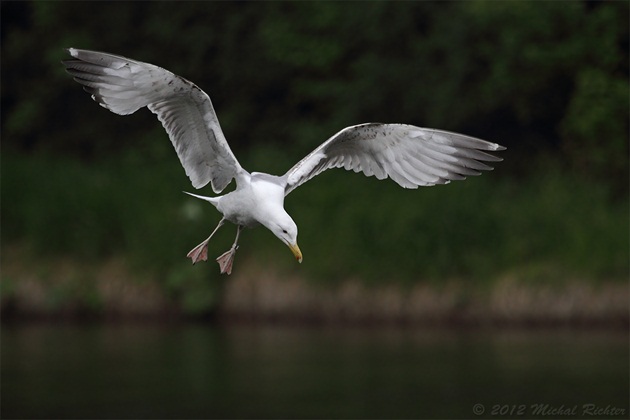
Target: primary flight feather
{"points": [[409, 155]]}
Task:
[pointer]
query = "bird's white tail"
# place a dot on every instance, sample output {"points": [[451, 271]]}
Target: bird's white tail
{"points": [[213, 200]]}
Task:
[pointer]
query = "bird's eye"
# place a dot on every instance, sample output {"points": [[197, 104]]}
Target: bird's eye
{"points": [[284, 231]]}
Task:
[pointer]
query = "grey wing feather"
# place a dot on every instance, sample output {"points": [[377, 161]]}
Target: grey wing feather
{"points": [[123, 86], [411, 156]]}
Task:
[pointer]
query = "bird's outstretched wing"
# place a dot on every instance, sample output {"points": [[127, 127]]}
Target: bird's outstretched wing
{"points": [[123, 86], [411, 156]]}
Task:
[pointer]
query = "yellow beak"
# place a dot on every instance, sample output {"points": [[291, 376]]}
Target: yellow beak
{"points": [[296, 251]]}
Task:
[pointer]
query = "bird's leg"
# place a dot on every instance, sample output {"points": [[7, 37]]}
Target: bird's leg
{"points": [[227, 259], [200, 252]]}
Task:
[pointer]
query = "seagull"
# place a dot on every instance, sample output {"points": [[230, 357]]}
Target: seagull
{"points": [[411, 156]]}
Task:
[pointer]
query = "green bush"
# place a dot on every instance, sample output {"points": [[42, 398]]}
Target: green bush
{"points": [[350, 226]]}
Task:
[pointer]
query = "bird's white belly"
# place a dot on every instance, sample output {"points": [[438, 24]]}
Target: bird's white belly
{"points": [[253, 201], [239, 208]]}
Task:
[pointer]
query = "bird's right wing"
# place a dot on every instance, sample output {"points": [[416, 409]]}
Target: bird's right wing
{"points": [[123, 86], [411, 156]]}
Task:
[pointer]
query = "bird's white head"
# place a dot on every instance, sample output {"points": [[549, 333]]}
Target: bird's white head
{"points": [[281, 225]]}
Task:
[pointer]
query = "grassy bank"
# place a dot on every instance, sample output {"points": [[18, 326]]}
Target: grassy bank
{"points": [[64, 288], [546, 228]]}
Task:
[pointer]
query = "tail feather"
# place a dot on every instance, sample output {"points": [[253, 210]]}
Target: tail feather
{"points": [[213, 200]]}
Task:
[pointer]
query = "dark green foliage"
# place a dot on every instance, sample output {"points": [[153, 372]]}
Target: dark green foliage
{"points": [[350, 226], [529, 75]]}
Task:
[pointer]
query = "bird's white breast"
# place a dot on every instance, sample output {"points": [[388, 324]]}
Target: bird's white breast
{"points": [[267, 189], [251, 202]]}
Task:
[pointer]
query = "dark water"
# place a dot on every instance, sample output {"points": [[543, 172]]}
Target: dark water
{"points": [[199, 371]]}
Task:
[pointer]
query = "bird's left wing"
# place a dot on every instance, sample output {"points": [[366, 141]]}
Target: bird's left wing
{"points": [[123, 86], [411, 156]]}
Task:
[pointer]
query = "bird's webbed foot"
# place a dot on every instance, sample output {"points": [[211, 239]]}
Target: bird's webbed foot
{"points": [[199, 253], [226, 260]]}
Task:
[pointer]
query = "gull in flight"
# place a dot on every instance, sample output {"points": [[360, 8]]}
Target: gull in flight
{"points": [[411, 156]]}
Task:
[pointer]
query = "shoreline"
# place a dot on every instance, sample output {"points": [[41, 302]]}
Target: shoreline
{"points": [[256, 295], [508, 303]]}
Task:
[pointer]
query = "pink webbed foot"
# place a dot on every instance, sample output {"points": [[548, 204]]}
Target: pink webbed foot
{"points": [[226, 260], [199, 253]]}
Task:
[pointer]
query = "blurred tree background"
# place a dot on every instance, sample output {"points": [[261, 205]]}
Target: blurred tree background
{"points": [[549, 80]]}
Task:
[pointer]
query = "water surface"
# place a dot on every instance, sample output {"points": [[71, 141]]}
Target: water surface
{"points": [[204, 371]]}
